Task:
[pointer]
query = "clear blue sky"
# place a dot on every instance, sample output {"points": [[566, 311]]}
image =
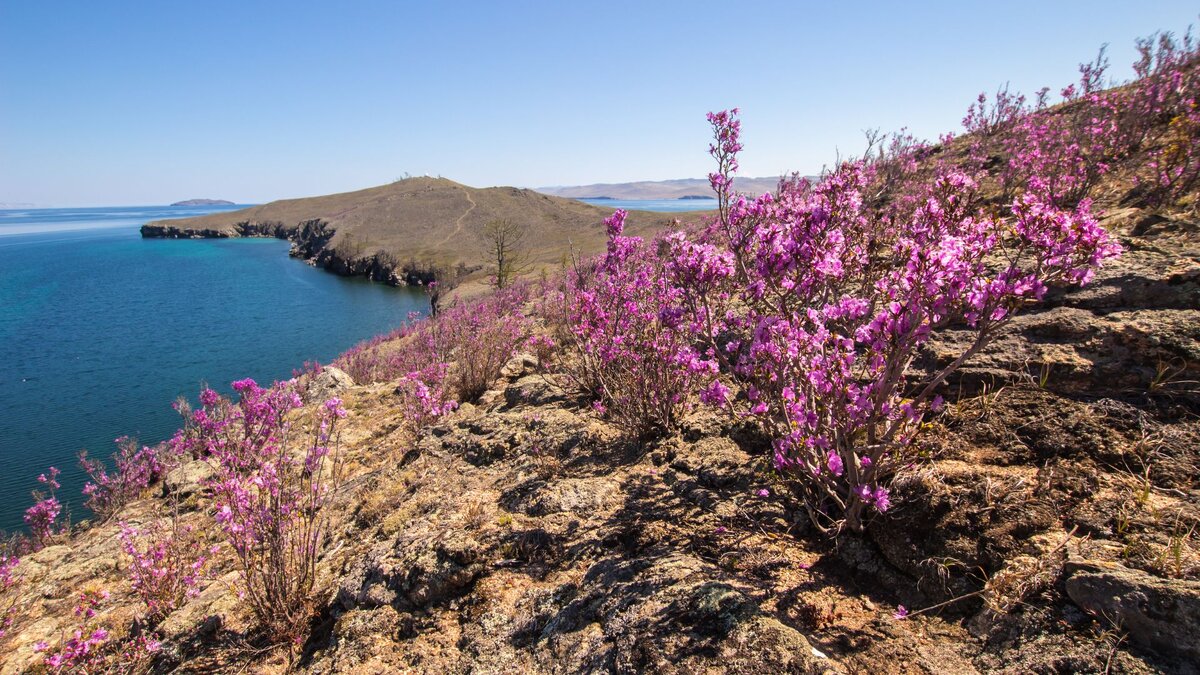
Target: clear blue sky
{"points": [[111, 102]]}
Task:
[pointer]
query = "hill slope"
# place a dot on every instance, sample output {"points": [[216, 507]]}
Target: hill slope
{"points": [[401, 232]]}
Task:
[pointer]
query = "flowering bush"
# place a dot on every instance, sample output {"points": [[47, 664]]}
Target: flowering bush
{"points": [[136, 468], [441, 360], [630, 336], [42, 517], [1165, 107], [834, 301], [820, 304], [84, 650], [166, 564], [1062, 151], [270, 503], [372, 361], [480, 337]]}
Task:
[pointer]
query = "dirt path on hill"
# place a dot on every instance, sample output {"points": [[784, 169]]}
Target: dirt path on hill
{"points": [[458, 224]]}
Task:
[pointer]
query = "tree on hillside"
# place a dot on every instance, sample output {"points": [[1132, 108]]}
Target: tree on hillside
{"points": [[506, 248], [444, 280]]}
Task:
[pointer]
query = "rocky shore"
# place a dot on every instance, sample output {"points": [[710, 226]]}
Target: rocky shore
{"points": [[310, 242]]}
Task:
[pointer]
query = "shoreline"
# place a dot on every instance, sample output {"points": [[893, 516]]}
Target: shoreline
{"points": [[310, 242]]}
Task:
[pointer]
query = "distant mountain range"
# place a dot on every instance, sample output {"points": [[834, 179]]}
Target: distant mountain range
{"points": [[203, 202], [680, 188]]}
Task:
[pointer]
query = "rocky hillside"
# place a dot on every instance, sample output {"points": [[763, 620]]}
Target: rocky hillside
{"points": [[525, 534], [1047, 521], [401, 232]]}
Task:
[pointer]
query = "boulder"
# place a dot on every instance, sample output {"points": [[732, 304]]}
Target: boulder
{"points": [[328, 383], [519, 365], [188, 479], [1160, 614]]}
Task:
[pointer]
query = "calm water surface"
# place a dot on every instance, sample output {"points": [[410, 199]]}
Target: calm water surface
{"points": [[100, 330], [666, 205]]}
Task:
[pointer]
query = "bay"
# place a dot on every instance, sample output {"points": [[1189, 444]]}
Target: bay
{"points": [[101, 330]]}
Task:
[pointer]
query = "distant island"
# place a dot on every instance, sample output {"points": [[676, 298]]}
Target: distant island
{"points": [[203, 202], [697, 197]]}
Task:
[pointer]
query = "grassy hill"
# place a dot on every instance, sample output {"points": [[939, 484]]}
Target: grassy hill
{"points": [[406, 229]]}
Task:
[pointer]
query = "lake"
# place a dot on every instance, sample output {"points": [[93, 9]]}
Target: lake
{"points": [[664, 205], [100, 330]]}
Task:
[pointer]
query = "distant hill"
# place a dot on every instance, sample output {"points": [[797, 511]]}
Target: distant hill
{"points": [[680, 188], [203, 202], [399, 233]]}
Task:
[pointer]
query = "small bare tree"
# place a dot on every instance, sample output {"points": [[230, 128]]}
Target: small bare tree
{"points": [[504, 243]]}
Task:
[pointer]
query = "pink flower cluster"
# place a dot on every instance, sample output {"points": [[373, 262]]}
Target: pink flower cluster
{"points": [[166, 565], [631, 336], [1062, 151], [441, 360], [84, 650], [136, 468], [819, 303], [817, 298], [42, 517], [270, 504]]}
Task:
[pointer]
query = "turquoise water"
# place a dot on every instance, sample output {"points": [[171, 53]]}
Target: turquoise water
{"points": [[665, 205], [100, 330]]}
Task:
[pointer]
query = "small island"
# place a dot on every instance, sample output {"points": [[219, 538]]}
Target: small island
{"points": [[697, 197], [203, 202]]}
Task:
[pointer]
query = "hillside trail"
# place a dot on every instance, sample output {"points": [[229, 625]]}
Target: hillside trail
{"points": [[458, 224]]}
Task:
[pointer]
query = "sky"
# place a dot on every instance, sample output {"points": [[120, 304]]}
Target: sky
{"points": [[130, 103]]}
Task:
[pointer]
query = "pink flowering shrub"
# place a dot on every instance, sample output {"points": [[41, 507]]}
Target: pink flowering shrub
{"points": [[414, 357], [1165, 106], [42, 517], [136, 468], [309, 368], [479, 337], [819, 305], [442, 360], [630, 336], [372, 361], [271, 492], [166, 565], [1062, 151], [84, 650], [543, 347], [425, 396]]}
